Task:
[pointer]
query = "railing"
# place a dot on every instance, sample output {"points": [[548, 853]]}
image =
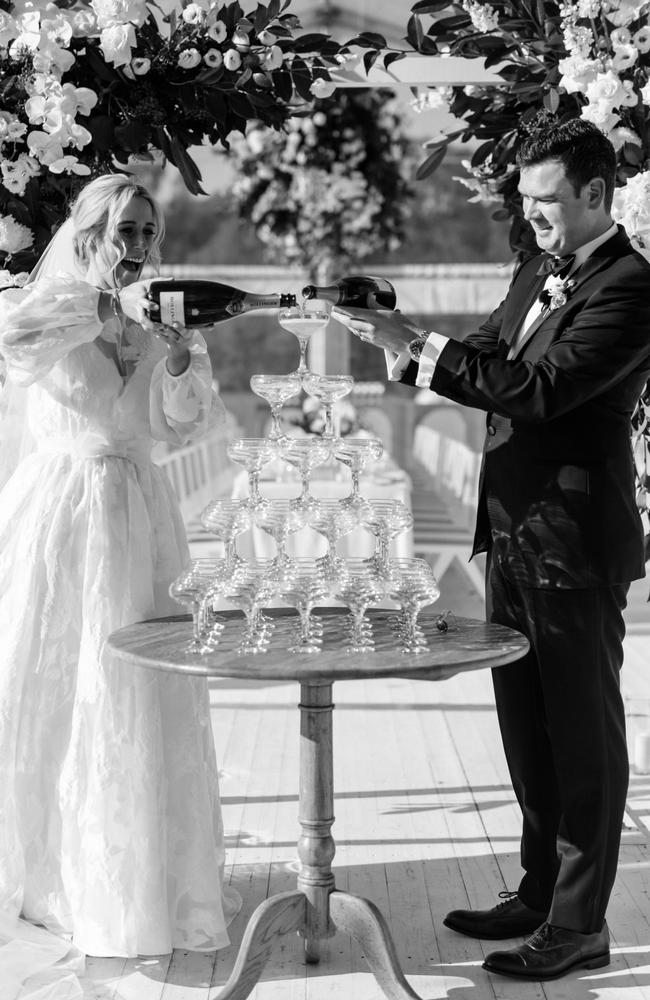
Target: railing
{"points": [[201, 470]]}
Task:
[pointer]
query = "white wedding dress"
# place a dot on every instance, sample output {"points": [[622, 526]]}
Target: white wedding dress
{"points": [[110, 819]]}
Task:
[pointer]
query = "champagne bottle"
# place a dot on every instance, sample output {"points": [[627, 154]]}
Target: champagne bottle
{"points": [[358, 290], [192, 302]]}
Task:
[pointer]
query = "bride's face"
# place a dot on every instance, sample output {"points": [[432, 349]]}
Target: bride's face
{"points": [[136, 229]]}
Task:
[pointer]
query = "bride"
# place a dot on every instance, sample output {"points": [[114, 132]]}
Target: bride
{"points": [[110, 827]]}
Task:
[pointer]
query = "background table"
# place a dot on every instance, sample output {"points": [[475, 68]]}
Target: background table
{"points": [[385, 481], [316, 909]]}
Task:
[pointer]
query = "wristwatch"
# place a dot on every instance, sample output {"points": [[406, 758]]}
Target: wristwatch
{"points": [[416, 347]]}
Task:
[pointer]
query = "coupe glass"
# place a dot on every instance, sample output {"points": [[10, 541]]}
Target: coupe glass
{"points": [[328, 389], [361, 587], [252, 454], [222, 577], [189, 589], [276, 390], [251, 587], [227, 519], [303, 590], [357, 453], [385, 519], [305, 453], [280, 520], [332, 521], [303, 324], [413, 588]]}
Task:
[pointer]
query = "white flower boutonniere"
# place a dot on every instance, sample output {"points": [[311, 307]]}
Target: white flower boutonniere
{"points": [[556, 293]]}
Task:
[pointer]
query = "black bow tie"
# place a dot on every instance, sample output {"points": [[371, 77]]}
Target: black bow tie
{"points": [[556, 265]]}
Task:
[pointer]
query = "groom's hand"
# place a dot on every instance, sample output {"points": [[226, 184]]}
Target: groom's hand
{"points": [[385, 328]]}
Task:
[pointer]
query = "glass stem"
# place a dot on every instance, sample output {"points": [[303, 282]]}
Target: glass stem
{"points": [[355, 482], [329, 422], [230, 550], [253, 486]]}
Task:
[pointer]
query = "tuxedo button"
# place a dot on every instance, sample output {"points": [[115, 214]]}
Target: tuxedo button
{"points": [[491, 430]]}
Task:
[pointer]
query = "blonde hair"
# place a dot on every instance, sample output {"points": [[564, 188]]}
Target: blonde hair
{"points": [[95, 216]]}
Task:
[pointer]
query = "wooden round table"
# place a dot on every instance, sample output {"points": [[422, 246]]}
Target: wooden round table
{"points": [[316, 909]]}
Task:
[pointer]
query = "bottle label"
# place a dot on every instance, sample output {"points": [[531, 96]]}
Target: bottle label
{"points": [[172, 308]]}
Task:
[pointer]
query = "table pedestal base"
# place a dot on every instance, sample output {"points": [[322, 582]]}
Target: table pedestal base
{"points": [[316, 910], [286, 913]]}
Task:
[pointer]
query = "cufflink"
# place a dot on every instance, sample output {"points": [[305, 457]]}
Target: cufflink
{"points": [[416, 347]]}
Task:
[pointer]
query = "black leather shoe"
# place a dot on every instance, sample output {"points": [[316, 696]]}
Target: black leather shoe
{"points": [[509, 919], [551, 952]]}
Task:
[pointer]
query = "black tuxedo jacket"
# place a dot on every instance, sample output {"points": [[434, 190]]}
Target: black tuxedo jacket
{"points": [[556, 494]]}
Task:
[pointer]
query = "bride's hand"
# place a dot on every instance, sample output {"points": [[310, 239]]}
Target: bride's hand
{"points": [[134, 302]]}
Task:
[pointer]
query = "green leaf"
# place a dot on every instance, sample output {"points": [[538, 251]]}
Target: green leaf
{"points": [[373, 39], [188, 168], [431, 163], [101, 129], [481, 154], [369, 60], [309, 43], [430, 6], [261, 18], [414, 32], [282, 84], [241, 105], [216, 104], [392, 57], [132, 136], [551, 101]]}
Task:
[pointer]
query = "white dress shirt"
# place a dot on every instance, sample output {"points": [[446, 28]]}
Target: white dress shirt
{"points": [[397, 364]]}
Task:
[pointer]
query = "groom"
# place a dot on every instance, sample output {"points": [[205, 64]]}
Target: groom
{"points": [[558, 368]]}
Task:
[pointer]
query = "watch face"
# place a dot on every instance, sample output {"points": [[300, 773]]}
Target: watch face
{"points": [[415, 348]]}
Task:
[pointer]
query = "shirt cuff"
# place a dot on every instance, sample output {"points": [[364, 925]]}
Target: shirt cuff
{"points": [[429, 358], [396, 364]]}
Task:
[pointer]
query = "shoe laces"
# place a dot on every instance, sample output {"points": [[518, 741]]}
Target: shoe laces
{"points": [[541, 936], [507, 897]]}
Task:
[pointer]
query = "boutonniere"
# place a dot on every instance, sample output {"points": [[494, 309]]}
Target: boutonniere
{"points": [[556, 293]]}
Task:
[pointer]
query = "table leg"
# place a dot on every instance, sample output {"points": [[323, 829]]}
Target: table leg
{"points": [[316, 909], [362, 920]]}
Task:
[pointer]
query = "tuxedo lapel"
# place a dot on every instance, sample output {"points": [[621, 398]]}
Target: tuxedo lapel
{"points": [[523, 295], [596, 262]]}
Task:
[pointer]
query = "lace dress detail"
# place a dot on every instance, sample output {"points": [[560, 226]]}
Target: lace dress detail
{"points": [[110, 828]]}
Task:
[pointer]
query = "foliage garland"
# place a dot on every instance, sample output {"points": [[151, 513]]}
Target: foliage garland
{"points": [[564, 59], [85, 87], [559, 59]]}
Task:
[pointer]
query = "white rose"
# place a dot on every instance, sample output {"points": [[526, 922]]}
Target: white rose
{"points": [[645, 93], [193, 14], [189, 58], [14, 237], [619, 136], [84, 23], [114, 12], [213, 58], [117, 42], [266, 37], [8, 28], [232, 60], [624, 11], [620, 37], [217, 31], [272, 58], [601, 116], [606, 88], [641, 39], [322, 88], [624, 57], [141, 65]]}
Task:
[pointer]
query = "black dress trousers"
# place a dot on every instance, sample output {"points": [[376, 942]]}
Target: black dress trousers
{"points": [[562, 722]]}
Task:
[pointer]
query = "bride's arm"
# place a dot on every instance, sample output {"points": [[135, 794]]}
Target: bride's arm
{"points": [[44, 321], [182, 407]]}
